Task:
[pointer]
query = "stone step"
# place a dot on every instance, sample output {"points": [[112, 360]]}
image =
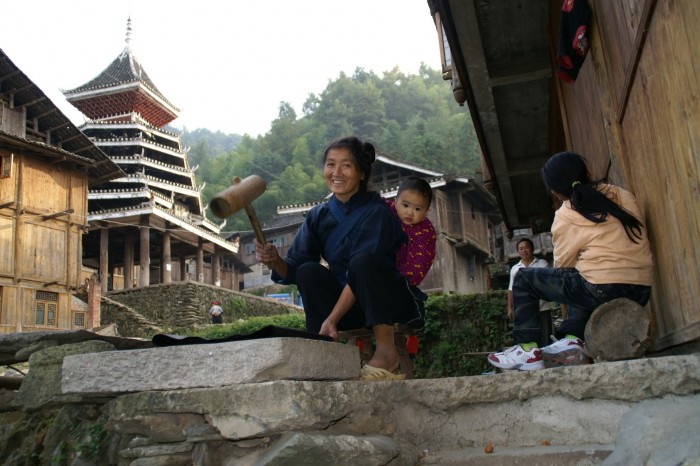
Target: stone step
{"points": [[540, 455], [208, 365]]}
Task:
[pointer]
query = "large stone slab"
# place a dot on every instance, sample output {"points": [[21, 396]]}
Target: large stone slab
{"points": [[41, 388], [18, 347], [209, 365]]}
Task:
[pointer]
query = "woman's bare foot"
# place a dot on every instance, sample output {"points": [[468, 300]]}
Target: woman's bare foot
{"points": [[385, 358]]}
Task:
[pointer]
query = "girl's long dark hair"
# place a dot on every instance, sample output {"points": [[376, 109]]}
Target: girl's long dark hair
{"points": [[567, 173]]}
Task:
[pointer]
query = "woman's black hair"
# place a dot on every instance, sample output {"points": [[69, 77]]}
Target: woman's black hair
{"points": [[567, 173], [416, 184], [363, 153]]}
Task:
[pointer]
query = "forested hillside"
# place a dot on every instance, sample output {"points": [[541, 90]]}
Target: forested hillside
{"points": [[410, 117]]}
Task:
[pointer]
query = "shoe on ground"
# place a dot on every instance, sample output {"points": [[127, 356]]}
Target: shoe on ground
{"points": [[565, 352], [371, 373], [517, 358]]}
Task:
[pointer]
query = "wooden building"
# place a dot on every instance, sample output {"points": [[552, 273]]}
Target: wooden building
{"points": [[463, 213], [46, 167], [148, 225], [633, 111]]}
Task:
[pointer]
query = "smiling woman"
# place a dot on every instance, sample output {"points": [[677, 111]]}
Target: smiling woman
{"points": [[357, 235], [343, 176]]}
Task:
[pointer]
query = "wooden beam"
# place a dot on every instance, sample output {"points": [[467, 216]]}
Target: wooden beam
{"points": [[57, 214]]}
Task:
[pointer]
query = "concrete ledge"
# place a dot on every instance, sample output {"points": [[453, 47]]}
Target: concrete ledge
{"points": [[208, 365]]}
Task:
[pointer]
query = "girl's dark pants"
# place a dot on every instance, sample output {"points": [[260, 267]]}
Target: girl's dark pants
{"points": [[563, 286], [383, 296]]}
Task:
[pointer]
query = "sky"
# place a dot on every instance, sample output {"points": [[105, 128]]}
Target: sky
{"points": [[227, 64]]}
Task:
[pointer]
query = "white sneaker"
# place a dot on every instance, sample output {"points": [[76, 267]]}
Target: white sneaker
{"points": [[564, 352], [517, 358]]}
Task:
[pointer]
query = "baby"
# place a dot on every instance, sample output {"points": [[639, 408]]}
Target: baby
{"points": [[415, 257]]}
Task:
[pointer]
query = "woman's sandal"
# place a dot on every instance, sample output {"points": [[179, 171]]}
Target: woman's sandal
{"points": [[371, 373]]}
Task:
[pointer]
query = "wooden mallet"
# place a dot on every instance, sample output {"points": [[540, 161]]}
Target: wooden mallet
{"points": [[239, 195]]}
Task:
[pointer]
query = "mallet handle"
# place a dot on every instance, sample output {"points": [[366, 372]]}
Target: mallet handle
{"points": [[255, 224]]}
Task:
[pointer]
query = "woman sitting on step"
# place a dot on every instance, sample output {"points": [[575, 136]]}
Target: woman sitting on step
{"points": [[601, 252], [357, 235]]}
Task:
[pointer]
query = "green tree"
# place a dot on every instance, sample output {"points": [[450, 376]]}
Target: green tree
{"points": [[411, 117]]}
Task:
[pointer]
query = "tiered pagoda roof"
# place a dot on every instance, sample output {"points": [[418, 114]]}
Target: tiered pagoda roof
{"points": [[126, 117], [121, 89]]}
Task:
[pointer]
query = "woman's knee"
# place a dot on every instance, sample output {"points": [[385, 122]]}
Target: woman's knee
{"points": [[362, 261], [309, 271]]}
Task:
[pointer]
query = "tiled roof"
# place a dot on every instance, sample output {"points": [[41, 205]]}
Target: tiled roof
{"points": [[123, 86], [126, 68]]}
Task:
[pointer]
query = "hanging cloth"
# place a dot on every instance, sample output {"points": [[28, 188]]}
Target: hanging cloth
{"points": [[573, 43]]}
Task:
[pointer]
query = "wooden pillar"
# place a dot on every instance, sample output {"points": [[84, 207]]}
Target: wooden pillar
{"points": [[104, 259], [183, 267], [144, 257], [128, 259], [93, 303], [216, 267], [166, 265], [200, 261], [19, 230], [236, 279]]}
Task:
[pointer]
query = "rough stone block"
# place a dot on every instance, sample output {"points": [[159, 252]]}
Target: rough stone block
{"points": [[209, 365], [41, 387], [665, 431], [302, 448]]}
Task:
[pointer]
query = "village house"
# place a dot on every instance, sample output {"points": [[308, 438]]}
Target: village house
{"points": [[46, 167], [463, 212], [629, 106]]}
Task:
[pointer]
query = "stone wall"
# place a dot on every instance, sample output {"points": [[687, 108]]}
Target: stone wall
{"points": [[642, 411], [186, 304], [128, 321]]}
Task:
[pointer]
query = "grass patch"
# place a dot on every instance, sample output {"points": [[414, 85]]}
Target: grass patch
{"points": [[245, 326]]}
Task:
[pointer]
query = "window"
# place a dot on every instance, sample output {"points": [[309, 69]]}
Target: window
{"points": [[471, 268], [46, 308], [5, 165], [445, 53], [279, 241], [79, 319]]}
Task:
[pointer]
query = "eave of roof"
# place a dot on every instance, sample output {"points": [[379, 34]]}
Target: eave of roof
{"points": [[505, 80], [64, 137]]}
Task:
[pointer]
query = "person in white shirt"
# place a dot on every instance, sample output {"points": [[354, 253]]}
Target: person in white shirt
{"points": [[526, 251]]}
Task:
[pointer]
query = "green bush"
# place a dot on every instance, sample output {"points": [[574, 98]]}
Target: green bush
{"points": [[457, 325], [237, 305]]}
